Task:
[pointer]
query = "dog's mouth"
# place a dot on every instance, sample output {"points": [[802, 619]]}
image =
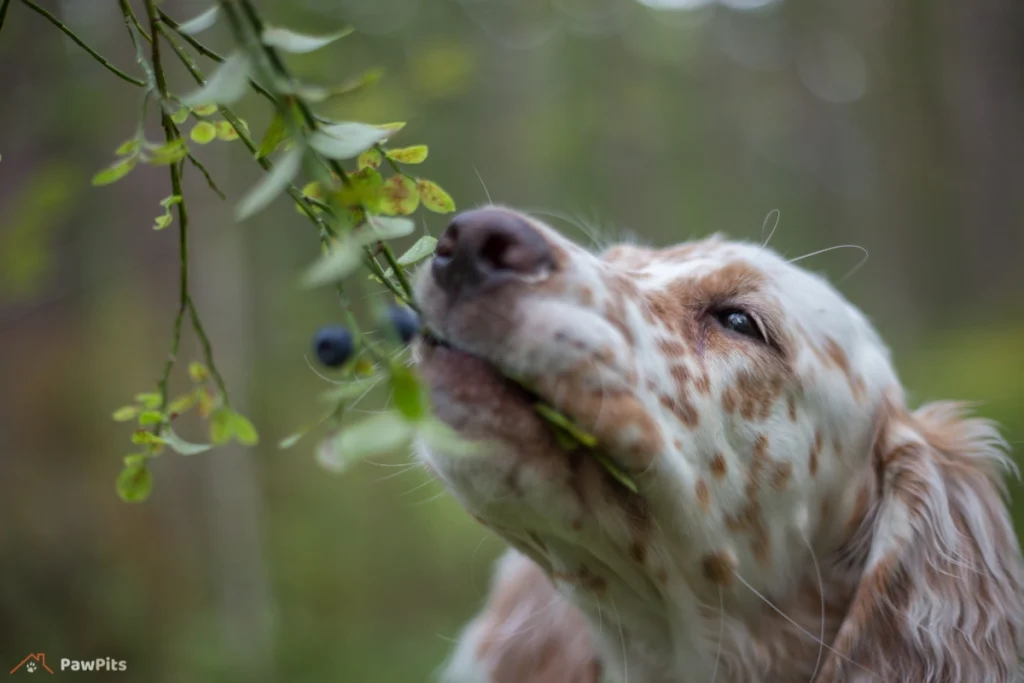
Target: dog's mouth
{"points": [[493, 388]]}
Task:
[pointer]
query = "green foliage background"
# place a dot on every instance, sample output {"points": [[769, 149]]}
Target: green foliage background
{"points": [[875, 125]]}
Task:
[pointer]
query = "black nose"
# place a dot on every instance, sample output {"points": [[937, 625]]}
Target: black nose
{"points": [[487, 246]]}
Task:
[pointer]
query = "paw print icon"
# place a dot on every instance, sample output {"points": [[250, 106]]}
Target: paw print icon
{"points": [[32, 664]]}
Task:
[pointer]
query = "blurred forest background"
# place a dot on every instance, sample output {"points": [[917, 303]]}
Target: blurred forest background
{"points": [[898, 126]]}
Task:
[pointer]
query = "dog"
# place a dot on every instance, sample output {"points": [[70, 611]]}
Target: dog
{"points": [[793, 519]]}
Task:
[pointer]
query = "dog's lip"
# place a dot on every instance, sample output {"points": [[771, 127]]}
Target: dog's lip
{"points": [[432, 340]]}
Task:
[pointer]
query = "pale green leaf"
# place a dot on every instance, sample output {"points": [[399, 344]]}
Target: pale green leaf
{"points": [[203, 132], [225, 131], [127, 147], [113, 173], [371, 158], [162, 221], [141, 437], [347, 140], [244, 430], [350, 389], [200, 23], [271, 185], [204, 109], [226, 85], [442, 438], [277, 131], [179, 445], [125, 413], [380, 434], [221, 426], [135, 483], [151, 417], [561, 421], [347, 255], [416, 154], [198, 372], [399, 196], [409, 396], [299, 43], [180, 116], [150, 400], [290, 440], [614, 470], [434, 197], [424, 248]]}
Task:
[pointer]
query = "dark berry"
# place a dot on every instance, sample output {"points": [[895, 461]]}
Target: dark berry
{"points": [[333, 345], [405, 321]]}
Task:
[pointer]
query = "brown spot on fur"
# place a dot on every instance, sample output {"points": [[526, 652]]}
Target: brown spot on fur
{"points": [[812, 461], [791, 407], [638, 552], [703, 495], [577, 525], [837, 357], [780, 477], [753, 396], [672, 349], [718, 466], [702, 383], [586, 297], [681, 375], [718, 568]]}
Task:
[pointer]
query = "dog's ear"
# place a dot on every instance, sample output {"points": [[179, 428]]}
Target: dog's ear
{"points": [[527, 633], [941, 595]]}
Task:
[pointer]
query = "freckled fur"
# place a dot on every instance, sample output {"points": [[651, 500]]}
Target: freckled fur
{"points": [[789, 478]]}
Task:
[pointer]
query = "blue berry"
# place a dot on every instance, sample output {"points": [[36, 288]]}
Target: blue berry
{"points": [[333, 345], [405, 321]]}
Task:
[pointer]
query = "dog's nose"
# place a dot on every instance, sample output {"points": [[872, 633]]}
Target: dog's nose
{"points": [[488, 246]]}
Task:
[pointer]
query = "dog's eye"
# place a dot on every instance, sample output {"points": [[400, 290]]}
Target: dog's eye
{"points": [[740, 322]]}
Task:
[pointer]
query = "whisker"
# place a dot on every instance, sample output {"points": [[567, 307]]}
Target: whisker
{"points": [[483, 184], [821, 594], [622, 639], [838, 246], [802, 629], [773, 213]]}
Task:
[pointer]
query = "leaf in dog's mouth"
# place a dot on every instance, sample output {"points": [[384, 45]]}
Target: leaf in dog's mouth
{"points": [[570, 437]]}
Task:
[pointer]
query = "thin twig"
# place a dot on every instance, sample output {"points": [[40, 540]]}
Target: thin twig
{"points": [[82, 44], [197, 74], [4, 4], [212, 54]]}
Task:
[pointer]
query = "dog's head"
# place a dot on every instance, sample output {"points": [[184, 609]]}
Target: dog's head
{"points": [[755, 409]]}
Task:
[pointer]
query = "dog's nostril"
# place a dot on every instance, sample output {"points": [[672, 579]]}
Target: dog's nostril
{"points": [[487, 245]]}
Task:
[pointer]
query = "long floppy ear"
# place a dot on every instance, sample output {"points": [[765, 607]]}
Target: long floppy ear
{"points": [[527, 633], [941, 595]]}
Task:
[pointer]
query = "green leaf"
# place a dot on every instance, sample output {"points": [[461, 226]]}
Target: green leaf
{"points": [[434, 197], [226, 132], [180, 116], [271, 184], [221, 426], [151, 417], [347, 140], [410, 398], [385, 228], [135, 459], [380, 434], [561, 421], [371, 158], [183, 403], [149, 400], [127, 147], [416, 154], [170, 200], [424, 248], [179, 445], [135, 483], [162, 221], [615, 471], [226, 85], [198, 372], [400, 196], [299, 43], [114, 172], [204, 109], [292, 439], [143, 437], [277, 131], [125, 413], [200, 23], [203, 132], [169, 152], [244, 430]]}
